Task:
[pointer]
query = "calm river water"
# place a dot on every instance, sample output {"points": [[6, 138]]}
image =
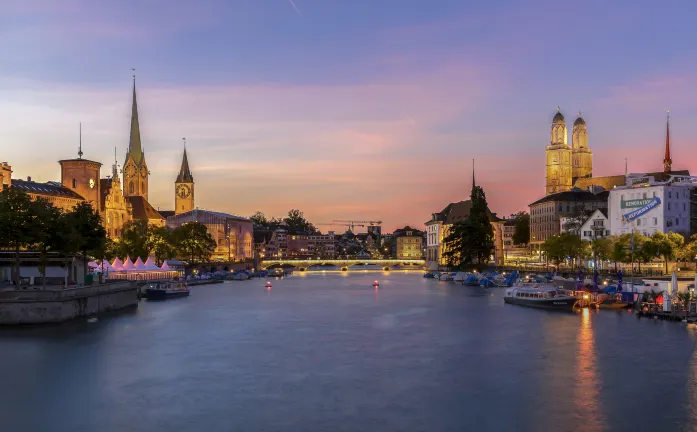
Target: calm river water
{"points": [[329, 353]]}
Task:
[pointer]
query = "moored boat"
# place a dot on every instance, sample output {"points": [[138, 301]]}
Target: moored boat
{"points": [[539, 296], [166, 290]]}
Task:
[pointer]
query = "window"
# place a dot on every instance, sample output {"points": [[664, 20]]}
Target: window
{"points": [[638, 222], [131, 188], [74, 183], [654, 194], [668, 205], [644, 195], [677, 221], [669, 195], [655, 221], [684, 206]]}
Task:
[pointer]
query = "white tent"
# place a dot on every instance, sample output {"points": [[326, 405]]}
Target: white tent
{"points": [[106, 266], [128, 265], [165, 266], [117, 265], [92, 264], [139, 264], [149, 265]]}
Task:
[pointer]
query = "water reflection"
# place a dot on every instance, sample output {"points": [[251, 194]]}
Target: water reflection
{"points": [[586, 397]]}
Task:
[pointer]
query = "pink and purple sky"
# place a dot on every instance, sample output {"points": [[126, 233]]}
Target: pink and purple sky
{"points": [[358, 109]]}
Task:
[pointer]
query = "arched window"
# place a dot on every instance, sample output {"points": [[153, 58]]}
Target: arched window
{"points": [[131, 188], [74, 183]]}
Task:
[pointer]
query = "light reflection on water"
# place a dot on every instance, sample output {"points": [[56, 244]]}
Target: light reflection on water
{"points": [[319, 352]]}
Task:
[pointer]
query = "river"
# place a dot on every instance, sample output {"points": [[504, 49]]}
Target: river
{"points": [[328, 352]]}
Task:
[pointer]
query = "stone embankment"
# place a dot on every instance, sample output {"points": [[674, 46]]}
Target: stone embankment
{"points": [[54, 304]]}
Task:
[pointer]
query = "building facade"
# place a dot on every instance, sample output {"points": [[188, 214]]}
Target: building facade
{"points": [[545, 213], [593, 226], [116, 209], [408, 243], [233, 235], [669, 205], [565, 164]]}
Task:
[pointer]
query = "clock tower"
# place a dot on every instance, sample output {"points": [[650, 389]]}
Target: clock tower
{"points": [[184, 188], [135, 170], [82, 176]]}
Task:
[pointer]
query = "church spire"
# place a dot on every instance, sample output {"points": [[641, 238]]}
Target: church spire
{"points": [[474, 184], [134, 145], [184, 172], [667, 162]]}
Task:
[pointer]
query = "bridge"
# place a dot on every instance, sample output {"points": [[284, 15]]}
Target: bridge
{"points": [[302, 264]]}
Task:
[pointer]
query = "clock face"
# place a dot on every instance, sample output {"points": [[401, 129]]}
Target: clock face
{"points": [[130, 170], [183, 191], [143, 171], [92, 183]]}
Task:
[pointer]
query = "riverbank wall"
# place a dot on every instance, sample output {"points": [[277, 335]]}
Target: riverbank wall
{"points": [[45, 306]]}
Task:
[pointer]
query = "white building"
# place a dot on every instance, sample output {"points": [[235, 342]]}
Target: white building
{"points": [[596, 225], [654, 206]]}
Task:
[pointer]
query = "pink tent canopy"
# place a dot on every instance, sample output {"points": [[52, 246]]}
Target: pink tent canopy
{"points": [[139, 264], [149, 265], [165, 266], [105, 264], [92, 264], [128, 265], [117, 265]]}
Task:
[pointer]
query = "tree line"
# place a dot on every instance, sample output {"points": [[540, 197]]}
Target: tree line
{"points": [[295, 221], [191, 242], [622, 249], [37, 225]]}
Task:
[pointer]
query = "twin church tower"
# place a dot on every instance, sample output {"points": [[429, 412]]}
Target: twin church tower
{"points": [[565, 164], [136, 173]]}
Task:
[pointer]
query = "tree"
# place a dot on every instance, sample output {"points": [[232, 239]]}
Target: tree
{"points": [[619, 252], [521, 235], [667, 245], [46, 232], [296, 221], [602, 248], [16, 218], [135, 239], [471, 241], [161, 243], [90, 235], [194, 241], [259, 220], [684, 298]]}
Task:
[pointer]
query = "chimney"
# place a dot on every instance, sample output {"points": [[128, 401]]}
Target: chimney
{"points": [[28, 178]]}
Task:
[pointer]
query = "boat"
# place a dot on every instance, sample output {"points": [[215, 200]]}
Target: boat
{"points": [[166, 290], [611, 302], [539, 296]]}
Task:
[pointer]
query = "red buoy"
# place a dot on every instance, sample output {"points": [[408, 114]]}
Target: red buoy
{"points": [[376, 284]]}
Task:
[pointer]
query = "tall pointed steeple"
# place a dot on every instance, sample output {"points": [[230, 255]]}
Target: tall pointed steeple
{"points": [[134, 146], [184, 172], [473, 182], [667, 162]]}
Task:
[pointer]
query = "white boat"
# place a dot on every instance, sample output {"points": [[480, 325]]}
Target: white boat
{"points": [[541, 296], [446, 277]]}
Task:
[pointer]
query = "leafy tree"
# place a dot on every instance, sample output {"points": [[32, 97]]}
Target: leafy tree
{"points": [[161, 243], [90, 235], [296, 221], [16, 218], [619, 252], [667, 245], [566, 245], [602, 248], [471, 241], [521, 235], [259, 220], [135, 239], [194, 241], [46, 232]]}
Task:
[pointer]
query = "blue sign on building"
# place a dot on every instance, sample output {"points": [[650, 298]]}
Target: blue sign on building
{"points": [[652, 204]]}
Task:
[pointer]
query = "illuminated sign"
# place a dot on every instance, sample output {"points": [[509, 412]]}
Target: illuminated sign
{"points": [[650, 205], [635, 203]]}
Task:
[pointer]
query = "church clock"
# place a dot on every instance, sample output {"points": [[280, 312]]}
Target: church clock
{"points": [[130, 171], [183, 191], [143, 171]]}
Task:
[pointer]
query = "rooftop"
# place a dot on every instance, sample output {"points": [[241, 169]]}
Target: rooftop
{"points": [[47, 189], [574, 194]]}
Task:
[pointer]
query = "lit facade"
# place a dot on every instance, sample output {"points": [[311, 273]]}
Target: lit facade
{"points": [[558, 157], [581, 155]]}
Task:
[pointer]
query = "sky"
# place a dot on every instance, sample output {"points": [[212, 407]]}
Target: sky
{"points": [[362, 109]]}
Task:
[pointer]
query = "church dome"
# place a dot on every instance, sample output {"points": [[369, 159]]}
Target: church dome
{"points": [[580, 121], [558, 117]]}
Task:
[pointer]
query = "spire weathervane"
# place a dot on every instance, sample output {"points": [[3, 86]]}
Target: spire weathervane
{"points": [[134, 73], [79, 151], [184, 139], [558, 108], [667, 162]]}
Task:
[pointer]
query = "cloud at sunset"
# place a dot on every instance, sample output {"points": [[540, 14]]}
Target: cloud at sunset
{"points": [[286, 112]]}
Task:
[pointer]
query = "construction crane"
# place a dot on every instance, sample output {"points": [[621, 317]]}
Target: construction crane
{"points": [[352, 223], [347, 225]]}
